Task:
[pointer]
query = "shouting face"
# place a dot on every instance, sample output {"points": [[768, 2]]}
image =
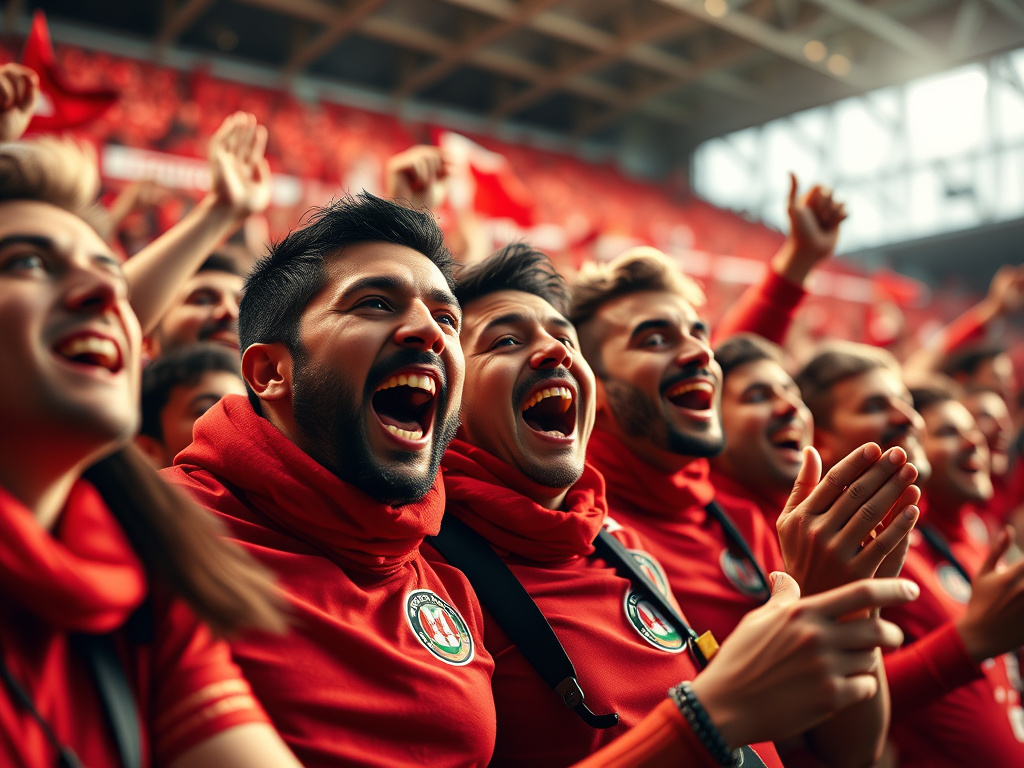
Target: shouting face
{"points": [[958, 454], [993, 417], [205, 310], [70, 351], [377, 382], [766, 427], [529, 393], [659, 384]]}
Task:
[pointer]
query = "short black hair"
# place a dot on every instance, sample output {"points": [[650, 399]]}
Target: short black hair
{"points": [[281, 285], [967, 362], [745, 348], [221, 262], [182, 367], [934, 390], [516, 267]]}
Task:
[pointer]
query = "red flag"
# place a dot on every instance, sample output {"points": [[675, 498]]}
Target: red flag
{"points": [[60, 106], [499, 193]]}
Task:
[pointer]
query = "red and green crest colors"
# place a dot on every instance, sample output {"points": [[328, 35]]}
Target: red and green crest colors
{"points": [[742, 575], [651, 625], [439, 627]]}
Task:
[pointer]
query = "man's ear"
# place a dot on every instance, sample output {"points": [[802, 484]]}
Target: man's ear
{"points": [[153, 449], [267, 369]]}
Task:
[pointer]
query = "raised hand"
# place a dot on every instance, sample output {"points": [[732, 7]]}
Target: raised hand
{"points": [[994, 622], [854, 523], [793, 663], [19, 93], [814, 221], [416, 176], [1006, 291], [239, 173]]}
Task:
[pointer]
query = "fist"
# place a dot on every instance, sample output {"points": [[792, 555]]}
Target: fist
{"points": [[19, 94]]}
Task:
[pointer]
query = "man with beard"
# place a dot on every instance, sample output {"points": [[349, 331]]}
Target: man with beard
{"points": [[328, 475], [950, 697], [657, 392]]}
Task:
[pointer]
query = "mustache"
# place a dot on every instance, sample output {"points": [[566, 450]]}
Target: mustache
{"points": [[687, 372], [403, 359], [535, 378], [216, 326], [895, 433], [780, 422]]}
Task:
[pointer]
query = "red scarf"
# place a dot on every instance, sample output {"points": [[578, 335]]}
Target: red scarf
{"points": [[84, 577], [492, 498], [645, 488], [302, 497], [726, 485]]}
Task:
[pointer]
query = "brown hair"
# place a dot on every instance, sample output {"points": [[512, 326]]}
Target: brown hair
{"points": [[635, 271], [744, 348], [836, 362], [58, 171], [183, 546], [932, 390]]}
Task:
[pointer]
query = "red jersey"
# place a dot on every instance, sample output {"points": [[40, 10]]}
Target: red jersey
{"points": [[714, 583], [977, 723], [626, 653], [384, 665], [84, 577], [766, 308]]}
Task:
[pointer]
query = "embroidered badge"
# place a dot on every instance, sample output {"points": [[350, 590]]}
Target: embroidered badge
{"points": [[976, 528], [652, 626], [652, 569], [742, 575], [952, 583], [439, 627]]}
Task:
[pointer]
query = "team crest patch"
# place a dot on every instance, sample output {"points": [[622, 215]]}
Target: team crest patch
{"points": [[953, 583], [652, 569], [742, 575], [976, 528], [652, 626], [439, 627]]}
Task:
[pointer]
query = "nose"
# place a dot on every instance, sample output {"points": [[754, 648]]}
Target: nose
{"points": [[551, 353], [694, 352], [901, 412], [419, 330], [785, 403], [92, 290], [226, 309]]}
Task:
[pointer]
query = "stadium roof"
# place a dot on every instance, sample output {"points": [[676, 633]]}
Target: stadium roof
{"points": [[645, 79]]}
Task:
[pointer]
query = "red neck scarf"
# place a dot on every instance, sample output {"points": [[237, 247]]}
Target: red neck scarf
{"points": [[83, 578], [488, 495], [728, 485], [643, 487], [300, 496], [951, 526]]}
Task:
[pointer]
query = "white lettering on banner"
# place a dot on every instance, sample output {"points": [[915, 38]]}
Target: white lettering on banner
{"points": [[178, 172]]}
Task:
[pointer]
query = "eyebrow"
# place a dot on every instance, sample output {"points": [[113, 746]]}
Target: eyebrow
{"points": [[41, 240], [647, 325], [389, 283], [520, 318]]}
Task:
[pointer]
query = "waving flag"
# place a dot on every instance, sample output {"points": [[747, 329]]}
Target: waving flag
{"points": [[60, 106], [497, 192]]}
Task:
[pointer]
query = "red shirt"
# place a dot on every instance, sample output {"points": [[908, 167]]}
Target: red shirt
{"points": [[766, 308], [977, 723], [626, 654], [86, 578], [385, 664], [716, 586]]}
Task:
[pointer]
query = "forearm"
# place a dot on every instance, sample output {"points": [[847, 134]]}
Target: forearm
{"points": [[855, 736], [928, 669], [766, 308], [156, 271]]}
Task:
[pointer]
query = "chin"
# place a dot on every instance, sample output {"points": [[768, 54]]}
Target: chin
{"points": [[554, 474]]}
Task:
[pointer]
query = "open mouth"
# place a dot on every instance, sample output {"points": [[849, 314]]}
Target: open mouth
{"points": [[405, 404], [972, 463], [788, 438], [692, 395], [550, 410], [91, 350]]}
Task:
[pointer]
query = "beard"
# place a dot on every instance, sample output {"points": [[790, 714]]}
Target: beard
{"points": [[331, 416], [640, 416]]}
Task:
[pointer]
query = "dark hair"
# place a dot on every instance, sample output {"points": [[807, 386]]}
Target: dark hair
{"points": [[281, 285], [182, 367], [221, 262], [516, 267], [184, 546], [836, 363], [745, 348], [967, 362], [936, 389]]}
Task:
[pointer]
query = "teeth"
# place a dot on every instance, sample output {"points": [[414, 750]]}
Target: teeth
{"points": [[563, 392], [417, 382], [407, 434], [690, 386], [555, 433], [105, 349]]}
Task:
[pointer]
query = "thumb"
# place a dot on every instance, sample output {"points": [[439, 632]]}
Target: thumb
{"points": [[793, 187], [999, 548], [806, 481], [785, 590]]}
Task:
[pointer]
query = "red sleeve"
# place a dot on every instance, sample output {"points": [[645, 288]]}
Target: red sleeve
{"points": [[923, 672], [765, 308], [966, 329], [663, 739], [198, 690]]}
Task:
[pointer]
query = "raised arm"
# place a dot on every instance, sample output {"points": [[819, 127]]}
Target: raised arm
{"points": [[19, 93], [767, 307], [239, 187]]}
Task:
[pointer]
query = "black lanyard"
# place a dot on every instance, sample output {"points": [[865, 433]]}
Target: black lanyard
{"points": [[736, 541], [939, 544]]}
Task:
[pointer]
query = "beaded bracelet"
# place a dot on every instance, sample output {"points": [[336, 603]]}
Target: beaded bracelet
{"points": [[705, 730]]}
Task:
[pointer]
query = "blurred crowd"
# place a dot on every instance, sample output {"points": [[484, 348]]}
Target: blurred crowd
{"points": [[371, 495]]}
